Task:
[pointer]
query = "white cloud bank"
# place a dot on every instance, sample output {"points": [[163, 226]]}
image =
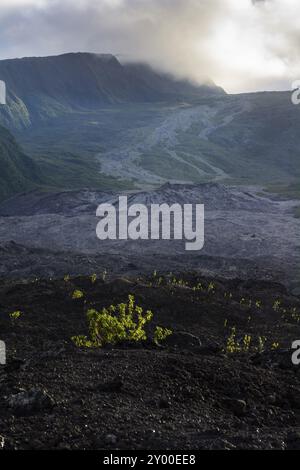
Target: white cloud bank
{"points": [[242, 45]]}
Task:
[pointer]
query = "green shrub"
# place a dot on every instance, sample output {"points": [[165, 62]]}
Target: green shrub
{"points": [[161, 334], [15, 315], [124, 322], [77, 294]]}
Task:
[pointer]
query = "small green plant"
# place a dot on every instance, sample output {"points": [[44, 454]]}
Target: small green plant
{"points": [[118, 323], [93, 278], [295, 315], [227, 295], [161, 334], [246, 343], [15, 315], [198, 287], [67, 278], [261, 343], [211, 287], [77, 294], [232, 346], [156, 279], [178, 282], [81, 341]]}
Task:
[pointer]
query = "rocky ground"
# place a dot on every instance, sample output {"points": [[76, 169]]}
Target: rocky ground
{"points": [[247, 235], [189, 393]]}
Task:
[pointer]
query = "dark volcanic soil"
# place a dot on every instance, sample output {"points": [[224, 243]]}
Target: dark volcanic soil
{"points": [[180, 396]]}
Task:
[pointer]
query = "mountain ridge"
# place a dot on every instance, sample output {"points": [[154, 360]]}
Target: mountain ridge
{"points": [[40, 88]]}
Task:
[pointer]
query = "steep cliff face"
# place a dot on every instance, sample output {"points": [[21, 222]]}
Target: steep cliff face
{"points": [[44, 87]]}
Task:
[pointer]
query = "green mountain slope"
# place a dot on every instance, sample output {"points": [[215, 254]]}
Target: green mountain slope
{"points": [[89, 121], [262, 136], [18, 172], [250, 139], [40, 88]]}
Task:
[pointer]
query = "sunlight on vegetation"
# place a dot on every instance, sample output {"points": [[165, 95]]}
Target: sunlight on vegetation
{"points": [[120, 323], [246, 343], [77, 294], [15, 315], [161, 334], [93, 278]]}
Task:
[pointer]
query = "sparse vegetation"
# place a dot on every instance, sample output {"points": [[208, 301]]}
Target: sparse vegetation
{"points": [[120, 323], [246, 343], [77, 294], [93, 278], [161, 334], [15, 315], [225, 359]]}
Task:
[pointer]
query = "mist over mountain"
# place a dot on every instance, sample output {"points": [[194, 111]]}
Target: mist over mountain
{"points": [[40, 88], [149, 227], [89, 121]]}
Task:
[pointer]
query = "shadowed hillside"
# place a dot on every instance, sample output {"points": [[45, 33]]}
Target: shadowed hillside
{"points": [[17, 171], [90, 121], [46, 87]]}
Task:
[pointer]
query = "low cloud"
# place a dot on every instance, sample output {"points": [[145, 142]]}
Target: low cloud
{"points": [[242, 45]]}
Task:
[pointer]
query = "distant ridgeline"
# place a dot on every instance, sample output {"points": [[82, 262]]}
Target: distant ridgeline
{"points": [[89, 121], [40, 88]]}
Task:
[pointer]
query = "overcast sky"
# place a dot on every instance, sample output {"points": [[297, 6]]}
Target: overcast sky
{"points": [[243, 45]]}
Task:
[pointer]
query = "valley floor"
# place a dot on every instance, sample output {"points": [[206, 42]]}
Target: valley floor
{"points": [[248, 234]]}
